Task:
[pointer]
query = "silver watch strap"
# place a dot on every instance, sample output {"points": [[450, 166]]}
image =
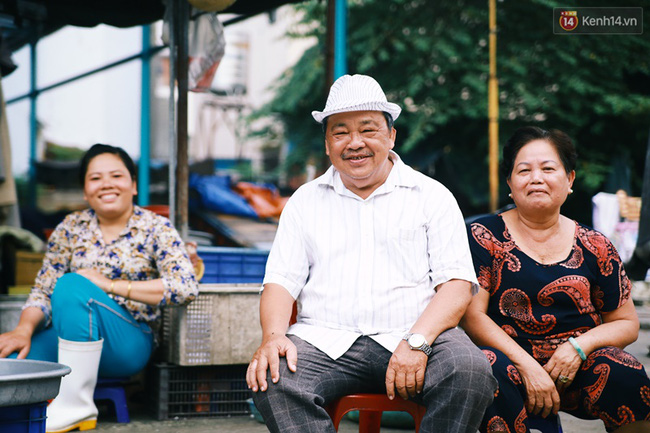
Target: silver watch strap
{"points": [[424, 348]]}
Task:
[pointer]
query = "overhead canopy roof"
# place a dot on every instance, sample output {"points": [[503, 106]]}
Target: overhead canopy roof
{"points": [[22, 21]]}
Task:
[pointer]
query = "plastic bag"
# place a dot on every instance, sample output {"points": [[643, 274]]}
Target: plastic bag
{"points": [[207, 45]]}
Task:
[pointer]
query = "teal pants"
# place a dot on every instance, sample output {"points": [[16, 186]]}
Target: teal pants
{"points": [[81, 311]]}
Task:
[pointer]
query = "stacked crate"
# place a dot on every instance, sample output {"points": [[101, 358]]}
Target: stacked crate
{"points": [[207, 344]]}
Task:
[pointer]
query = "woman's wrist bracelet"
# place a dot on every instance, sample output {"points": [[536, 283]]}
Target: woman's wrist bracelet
{"points": [[110, 291], [128, 290], [578, 349]]}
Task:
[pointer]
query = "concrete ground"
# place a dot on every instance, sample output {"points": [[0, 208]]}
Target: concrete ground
{"points": [[143, 421]]}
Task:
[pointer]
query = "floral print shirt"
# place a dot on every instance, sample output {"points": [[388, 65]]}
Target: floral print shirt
{"points": [[148, 248]]}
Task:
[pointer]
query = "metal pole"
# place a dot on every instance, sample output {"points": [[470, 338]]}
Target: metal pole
{"points": [[33, 124], [182, 159], [94, 71], [340, 38], [329, 45], [173, 5], [145, 119], [493, 111]]}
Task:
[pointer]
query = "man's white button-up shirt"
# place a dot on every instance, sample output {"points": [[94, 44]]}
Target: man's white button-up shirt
{"points": [[367, 267]]}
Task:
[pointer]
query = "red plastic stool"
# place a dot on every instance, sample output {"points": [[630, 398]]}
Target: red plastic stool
{"points": [[113, 390], [370, 407]]}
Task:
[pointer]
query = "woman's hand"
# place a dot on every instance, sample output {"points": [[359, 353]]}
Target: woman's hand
{"points": [[542, 397], [18, 340], [564, 363], [192, 252], [97, 278]]}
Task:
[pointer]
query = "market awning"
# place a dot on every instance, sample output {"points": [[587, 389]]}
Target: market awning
{"points": [[22, 21]]}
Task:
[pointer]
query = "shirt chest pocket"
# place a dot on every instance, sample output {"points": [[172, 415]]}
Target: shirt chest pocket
{"points": [[408, 257]]}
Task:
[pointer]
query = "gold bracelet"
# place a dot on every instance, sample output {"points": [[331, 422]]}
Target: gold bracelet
{"points": [[128, 290], [110, 291]]}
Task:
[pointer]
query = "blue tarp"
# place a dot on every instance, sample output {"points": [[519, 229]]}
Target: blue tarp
{"points": [[216, 195]]}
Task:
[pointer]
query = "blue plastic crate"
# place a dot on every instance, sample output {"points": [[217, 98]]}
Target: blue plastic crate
{"points": [[26, 418], [233, 265]]}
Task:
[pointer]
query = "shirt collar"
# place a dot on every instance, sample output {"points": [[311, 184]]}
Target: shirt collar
{"points": [[400, 176], [90, 217]]}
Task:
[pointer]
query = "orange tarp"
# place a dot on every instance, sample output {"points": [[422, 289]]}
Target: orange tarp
{"points": [[266, 202]]}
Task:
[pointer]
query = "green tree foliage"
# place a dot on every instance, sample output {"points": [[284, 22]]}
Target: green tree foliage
{"points": [[432, 57]]}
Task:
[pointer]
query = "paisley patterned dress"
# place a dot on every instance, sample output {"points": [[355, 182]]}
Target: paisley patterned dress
{"points": [[540, 306]]}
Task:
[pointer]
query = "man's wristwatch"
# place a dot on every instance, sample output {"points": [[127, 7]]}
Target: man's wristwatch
{"points": [[418, 342]]}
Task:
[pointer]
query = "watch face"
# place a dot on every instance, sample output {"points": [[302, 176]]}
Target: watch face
{"points": [[416, 340]]}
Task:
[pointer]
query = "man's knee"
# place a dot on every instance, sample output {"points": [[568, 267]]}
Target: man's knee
{"points": [[281, 389], [470, 373], [287, 405], [479, 370], [263, 403], [274, 395]]}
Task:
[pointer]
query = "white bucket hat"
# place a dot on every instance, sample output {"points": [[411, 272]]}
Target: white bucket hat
{"points": [[356, 93]]}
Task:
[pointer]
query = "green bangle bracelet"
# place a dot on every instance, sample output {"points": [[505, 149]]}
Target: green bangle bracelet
{"points": [[578, 349]]}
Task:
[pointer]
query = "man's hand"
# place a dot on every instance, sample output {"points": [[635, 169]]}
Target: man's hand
{"points": [[405, 372], [268, 356]]}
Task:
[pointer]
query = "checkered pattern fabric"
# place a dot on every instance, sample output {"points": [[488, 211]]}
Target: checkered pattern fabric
{"points": [[458, 385]]}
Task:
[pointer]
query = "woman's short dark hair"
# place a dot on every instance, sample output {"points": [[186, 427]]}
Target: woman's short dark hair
{"points": [[522, 136], [100, 149]]}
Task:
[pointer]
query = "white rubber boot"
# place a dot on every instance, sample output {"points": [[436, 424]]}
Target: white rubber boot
{"points": [[74, 407]]}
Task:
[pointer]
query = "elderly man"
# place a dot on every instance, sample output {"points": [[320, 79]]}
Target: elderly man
{"points": [[376, 256]]}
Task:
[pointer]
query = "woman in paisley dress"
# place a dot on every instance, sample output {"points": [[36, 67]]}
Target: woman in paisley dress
{"points": [[555, 312], [106, 273]]}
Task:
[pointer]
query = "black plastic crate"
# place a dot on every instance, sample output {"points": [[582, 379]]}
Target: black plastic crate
{"points": [[204, 391]]}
